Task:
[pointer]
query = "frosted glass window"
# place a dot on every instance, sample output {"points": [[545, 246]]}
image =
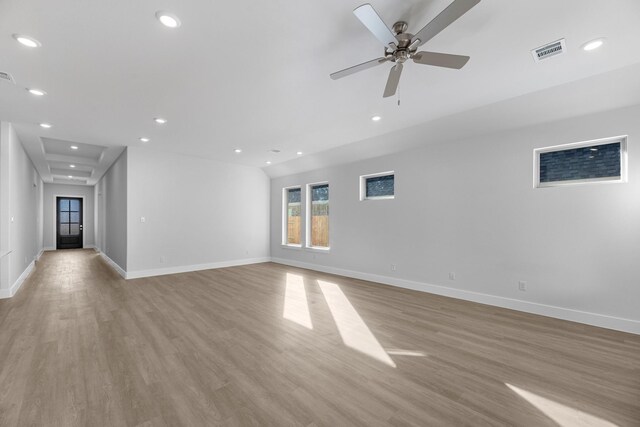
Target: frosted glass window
{"points": [[74, 229], [75, 205], [64, 204], [582, 163], [378, 186], [75, 217], [64, 229], [64, 216]]}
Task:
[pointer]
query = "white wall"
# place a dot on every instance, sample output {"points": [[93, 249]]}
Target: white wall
{"points": [[112, 213], [20, 212], [49, 211], [469, 207], [198, 213]]}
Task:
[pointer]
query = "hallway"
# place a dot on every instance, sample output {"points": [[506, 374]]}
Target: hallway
{"points": [[267, 344]]}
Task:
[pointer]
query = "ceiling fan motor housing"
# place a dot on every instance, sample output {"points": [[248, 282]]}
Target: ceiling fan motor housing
{"points": [[403, 52]]}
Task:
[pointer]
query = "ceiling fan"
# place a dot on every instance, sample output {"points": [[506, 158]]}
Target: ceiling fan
{"points": [[401, 46]]}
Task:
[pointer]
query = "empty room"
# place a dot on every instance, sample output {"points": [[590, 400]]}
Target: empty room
{"points": [[336, 213]]}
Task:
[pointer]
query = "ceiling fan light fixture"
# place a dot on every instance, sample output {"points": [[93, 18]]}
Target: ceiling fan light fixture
{"points": [[376, 118], [160, 120], [45, 125]]}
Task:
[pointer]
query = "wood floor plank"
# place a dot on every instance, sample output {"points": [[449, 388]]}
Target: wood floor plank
{"points": [[79, 346]]}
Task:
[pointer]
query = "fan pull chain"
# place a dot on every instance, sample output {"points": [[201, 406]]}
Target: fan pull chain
{"points": [[398, 93]]}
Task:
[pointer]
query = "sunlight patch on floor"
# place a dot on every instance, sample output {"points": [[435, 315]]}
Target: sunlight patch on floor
{"points": [[564, 415], [296, 306], [354, 332], [401, 352]]}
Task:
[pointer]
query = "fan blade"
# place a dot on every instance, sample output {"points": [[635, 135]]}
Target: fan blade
{"points": [[447, 17], [370, 18], [441, 59], [360, 67], [392, 82]]}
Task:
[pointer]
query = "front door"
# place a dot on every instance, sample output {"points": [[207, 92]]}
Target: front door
{"points": [[69, 223]]}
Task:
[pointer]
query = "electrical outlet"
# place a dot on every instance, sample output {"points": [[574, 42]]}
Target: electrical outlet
{"points": [[522, 286], [143, 219], [452, 275], [394, 267]]}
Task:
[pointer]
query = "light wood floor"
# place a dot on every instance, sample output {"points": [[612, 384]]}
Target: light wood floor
{"points": [[236, 346]]}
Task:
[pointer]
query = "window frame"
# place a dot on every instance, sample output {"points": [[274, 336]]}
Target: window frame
{"points": [[622, 139], [285, 217], [308, 221], [363, 186]]}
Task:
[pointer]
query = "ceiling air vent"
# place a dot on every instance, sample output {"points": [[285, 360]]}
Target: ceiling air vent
{"points": [[549, 50], [6, 77]]}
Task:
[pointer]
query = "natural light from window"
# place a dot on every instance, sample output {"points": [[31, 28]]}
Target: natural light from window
{"points": [[401, 352], [563, 415], [296, 306], [354, 332]]}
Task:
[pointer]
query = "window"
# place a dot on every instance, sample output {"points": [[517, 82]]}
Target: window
{"points": [[377, 186], [291, 215], [602, 160], [318, 215]]}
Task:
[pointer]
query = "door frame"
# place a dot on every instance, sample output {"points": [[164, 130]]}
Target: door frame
{"points": [[55, 219]]}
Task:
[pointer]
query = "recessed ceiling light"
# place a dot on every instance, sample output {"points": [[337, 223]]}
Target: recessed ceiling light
{"points": [[70, 176], [45, 125], [376, 118], [160, 120], [74, 147], [168, 19], [593, 44], [237, 150], [268, 162], [26, 41], [143, 139], [37, 92], [72, 166], [593, 149], [299, 153]]}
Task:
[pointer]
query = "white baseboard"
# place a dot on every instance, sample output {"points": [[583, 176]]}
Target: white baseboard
{"points": [[594, 319], [197, 267], [49, 248], [8, 293], [39, 254], [113, 264]]}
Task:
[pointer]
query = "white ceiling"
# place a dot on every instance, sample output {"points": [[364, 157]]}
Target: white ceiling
{"points": [[255, 75]]}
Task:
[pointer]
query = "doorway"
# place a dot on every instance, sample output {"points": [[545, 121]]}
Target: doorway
{"points": [[69, 223]]}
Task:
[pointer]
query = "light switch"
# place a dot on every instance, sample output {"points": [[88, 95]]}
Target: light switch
{"points": [[143, 219]]}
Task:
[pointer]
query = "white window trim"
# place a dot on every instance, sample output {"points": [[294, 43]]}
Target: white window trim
{"points": [[308, 219], [605, 180], [363, 186], [285, 200]]}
